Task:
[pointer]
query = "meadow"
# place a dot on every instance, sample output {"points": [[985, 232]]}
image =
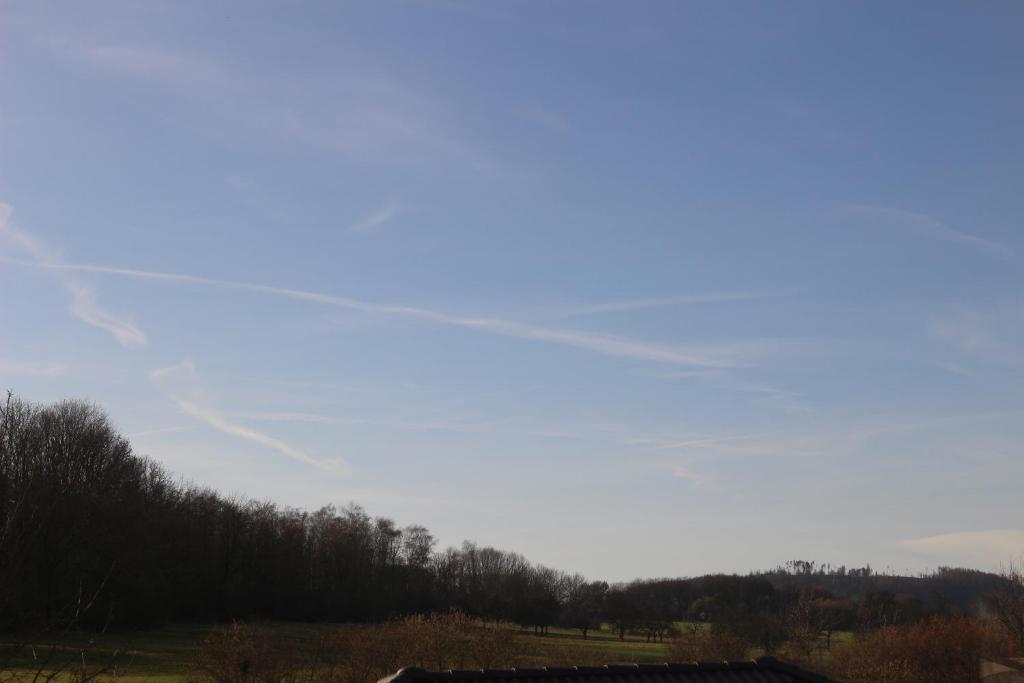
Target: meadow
{"points": [[166, 654]]}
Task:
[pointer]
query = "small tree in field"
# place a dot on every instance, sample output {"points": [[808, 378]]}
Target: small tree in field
{"points": [[584, 604], [698, 642], [241, 653], [621, 610]]}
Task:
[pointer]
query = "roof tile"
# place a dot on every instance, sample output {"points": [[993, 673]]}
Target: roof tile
{"points": [[762, 670]]}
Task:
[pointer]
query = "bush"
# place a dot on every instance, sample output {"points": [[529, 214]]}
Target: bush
{"points": [[939, 650], [997, 642], [243, 653], [359, 653], [699, 643]]}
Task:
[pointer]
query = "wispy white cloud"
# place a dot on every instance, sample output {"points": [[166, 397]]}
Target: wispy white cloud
{"points": [[34, 369], [604, 344], [687, 374], [543, 117], [83, 297], [24, 241], [85, 308], [824, 442], [507, 426], [181, 384], [160, 431], [808, 444], [968, 331], [696, 441], [361, 115], [990, 332], [218, 422], [718, 379], [789, 401], [378, 218], [955, 369], [336, 421], [662, 302], [680, 472], [990, 547], [155, 64], [934, 229]]}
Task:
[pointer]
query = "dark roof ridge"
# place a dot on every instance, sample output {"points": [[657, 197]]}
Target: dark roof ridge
{"points": [[409, 674]]}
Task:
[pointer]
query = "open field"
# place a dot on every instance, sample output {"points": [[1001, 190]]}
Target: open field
{"points": [[602, 643], [164, 655]]}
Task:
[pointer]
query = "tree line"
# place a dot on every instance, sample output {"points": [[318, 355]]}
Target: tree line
{"points": [[93, 533]]}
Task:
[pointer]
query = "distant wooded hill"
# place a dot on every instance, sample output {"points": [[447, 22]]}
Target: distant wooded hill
{"points": [[947, 588]]}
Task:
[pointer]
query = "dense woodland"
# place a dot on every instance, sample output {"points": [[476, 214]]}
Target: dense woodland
{"points": [[91, 532]]}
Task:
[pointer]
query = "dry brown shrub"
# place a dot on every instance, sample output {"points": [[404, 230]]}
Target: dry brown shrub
{"points": [[366, 653], [440, 642], [436, 641], [244, 653], [451, 640], [696, 643], [996, 641], [357, 654], [939, 650], [802, 645]]}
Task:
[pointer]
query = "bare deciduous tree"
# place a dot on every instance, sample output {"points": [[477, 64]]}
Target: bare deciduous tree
{"points": [[1007, 603]]}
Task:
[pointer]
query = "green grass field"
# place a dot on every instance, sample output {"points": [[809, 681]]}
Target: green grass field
{"points": [[161, 655], [603, 643]]}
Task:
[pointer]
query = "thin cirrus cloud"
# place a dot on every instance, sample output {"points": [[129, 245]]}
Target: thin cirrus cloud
{"points": [[83, 304], [989, 332], [375, 220], [602, 344], [160, 431], [681, 472], [811, 444], [365, 116], [990, 547], [181, 384], [85, 308], [662, 302], [506, 427], [935, 229], [30, 369], [154, 64]]}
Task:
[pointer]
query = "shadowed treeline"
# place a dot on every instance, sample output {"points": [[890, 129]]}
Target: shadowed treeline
{"points": [[94, 533]]}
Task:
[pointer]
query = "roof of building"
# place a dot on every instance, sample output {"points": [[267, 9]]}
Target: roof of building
{"points": [[761, 670]]}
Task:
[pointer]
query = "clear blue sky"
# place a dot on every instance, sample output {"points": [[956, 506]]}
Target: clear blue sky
{"points": [[636, 289]]}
